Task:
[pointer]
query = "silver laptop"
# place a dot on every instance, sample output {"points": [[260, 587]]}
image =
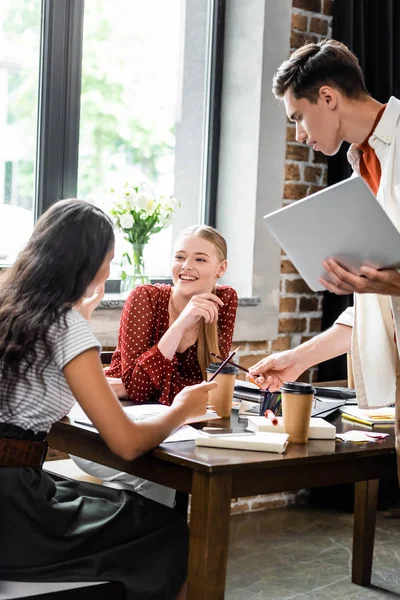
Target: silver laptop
{"points": [[343, 221]]}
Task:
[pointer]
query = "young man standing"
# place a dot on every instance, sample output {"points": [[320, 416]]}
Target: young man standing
{"points": [[323, 89]]}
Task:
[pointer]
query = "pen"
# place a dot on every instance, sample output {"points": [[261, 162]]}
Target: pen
{"points": [[86, 424]]}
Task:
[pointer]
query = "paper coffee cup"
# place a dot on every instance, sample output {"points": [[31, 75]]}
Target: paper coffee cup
{"points": [[221, 397], [297, 403]]}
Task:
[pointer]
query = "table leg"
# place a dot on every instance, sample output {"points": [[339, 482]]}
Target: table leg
{"points": [[209, 535], [365, 503]]}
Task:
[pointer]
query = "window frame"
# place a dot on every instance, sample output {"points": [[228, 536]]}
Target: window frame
{"points": [[59, 105], [59, 102]]}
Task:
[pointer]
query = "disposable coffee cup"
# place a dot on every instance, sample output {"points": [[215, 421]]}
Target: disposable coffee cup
{"points": [[297, 403], [221, 397]]}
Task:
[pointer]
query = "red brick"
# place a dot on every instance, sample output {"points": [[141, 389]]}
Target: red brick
{"points": [[236, 344], [298, 39], [306, 338], [292, 172], [259, 346], [297, 152], [328, 7], [297, 286], [288, 267], [311, 5], [294, 191], [319, 26], [299, 21], [287, 305], [290, 133], [281, 343], [308, 304], [250, 359], [312, 174], [325, 177], [291, 325], [315, 325]]}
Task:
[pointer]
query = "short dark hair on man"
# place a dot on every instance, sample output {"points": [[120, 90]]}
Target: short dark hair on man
{"points": [[313, 65]]}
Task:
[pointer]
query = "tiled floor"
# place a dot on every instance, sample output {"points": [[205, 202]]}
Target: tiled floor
{"points": [[305, 553]]}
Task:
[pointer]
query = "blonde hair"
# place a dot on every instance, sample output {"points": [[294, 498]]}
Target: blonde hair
{"points": [[208, 334]]}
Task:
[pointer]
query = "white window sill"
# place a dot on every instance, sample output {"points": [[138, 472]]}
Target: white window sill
{"points": [[117, 301]]}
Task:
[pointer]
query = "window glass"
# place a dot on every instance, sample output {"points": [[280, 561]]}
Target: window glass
{"points": [[131, 71], [19, 79]]}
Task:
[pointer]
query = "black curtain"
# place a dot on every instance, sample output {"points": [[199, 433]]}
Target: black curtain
{"points": [[371, 29]]}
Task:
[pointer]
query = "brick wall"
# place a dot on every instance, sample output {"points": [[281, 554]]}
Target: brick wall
{"points": [[300, 308], [305, 173]]}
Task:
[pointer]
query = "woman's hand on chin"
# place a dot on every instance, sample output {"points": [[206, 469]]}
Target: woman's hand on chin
{"points": [[201, 306]]}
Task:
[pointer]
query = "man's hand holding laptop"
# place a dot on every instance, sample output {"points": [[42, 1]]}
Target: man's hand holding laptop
{"points": [[372, 281]]}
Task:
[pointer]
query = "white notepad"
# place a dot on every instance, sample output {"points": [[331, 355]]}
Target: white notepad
{"points": [[319, 428], [261, 442], [343, 221]]}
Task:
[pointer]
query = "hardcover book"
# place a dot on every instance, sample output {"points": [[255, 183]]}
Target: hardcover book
{"points": [[319, 428], [261, 442]]}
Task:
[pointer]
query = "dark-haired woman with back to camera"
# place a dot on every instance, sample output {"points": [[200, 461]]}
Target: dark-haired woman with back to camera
{"points": [[76, 531]]}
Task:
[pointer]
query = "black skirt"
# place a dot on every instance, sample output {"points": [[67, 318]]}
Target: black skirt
{"points": [[77, 531]]}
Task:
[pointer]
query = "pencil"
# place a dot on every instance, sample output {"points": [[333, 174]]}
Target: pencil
{"points": [[357, 420], [238, 366], [221, 366], [230, 362]]}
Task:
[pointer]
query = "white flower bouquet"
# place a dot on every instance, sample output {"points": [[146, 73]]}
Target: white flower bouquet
{"points": [[139, 215]]}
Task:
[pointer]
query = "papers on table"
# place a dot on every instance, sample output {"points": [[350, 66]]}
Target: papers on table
{"points": [[146, 411], [361, 436]]}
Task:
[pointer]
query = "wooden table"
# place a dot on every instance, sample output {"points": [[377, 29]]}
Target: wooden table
{"points": [[214, 476]]}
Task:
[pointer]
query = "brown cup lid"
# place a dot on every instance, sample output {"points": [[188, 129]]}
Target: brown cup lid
{"points": [[296, 387]]}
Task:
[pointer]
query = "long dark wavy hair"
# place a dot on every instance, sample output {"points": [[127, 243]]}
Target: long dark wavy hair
{"points": [[62, 257]]}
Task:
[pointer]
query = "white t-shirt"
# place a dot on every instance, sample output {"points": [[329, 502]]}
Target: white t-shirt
{"points": [[43, 403]]}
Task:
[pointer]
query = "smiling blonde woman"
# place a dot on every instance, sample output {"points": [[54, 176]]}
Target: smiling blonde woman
{"points": [[167, 332]]}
